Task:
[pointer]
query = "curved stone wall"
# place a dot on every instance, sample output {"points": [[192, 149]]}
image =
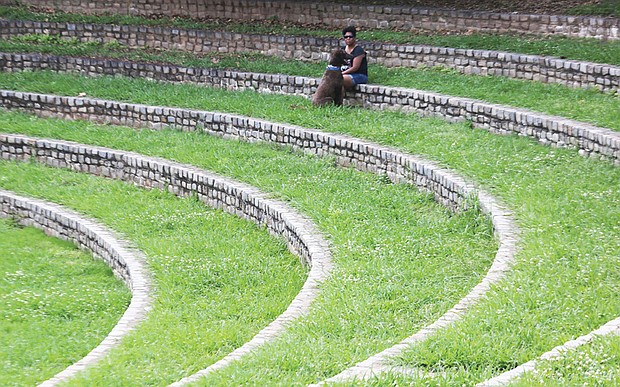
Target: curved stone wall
{"points": [[229, 127], [234, 197], [610, 328], [339, 15], [449, 189], [217, 192], [552, 130], [481, 62], [507, 233], [126, 262]]}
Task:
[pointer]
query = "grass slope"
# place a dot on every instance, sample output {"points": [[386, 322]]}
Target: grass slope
{"points": [[56, 303], [567, 206], [218, 279], [587, 105], [591, 50], [383, 235]]}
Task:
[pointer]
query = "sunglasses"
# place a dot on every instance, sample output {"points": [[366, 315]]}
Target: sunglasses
{"points": [[348, 36]]}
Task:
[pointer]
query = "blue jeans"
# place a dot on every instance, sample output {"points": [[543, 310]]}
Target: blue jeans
{"points": [[359, 78]]}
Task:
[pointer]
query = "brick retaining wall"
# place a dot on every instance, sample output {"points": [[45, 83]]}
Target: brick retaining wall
{"points": [[468, 61], [239, 199], [217, 192], [340, 15], [449, 190], [126, 262], [87, 235], [552, 130]]}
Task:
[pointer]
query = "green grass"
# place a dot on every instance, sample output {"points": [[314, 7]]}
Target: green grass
{"points": [[556, 293], [56, 304], [562, 287], [587, 105], [218, 279], [596, 363], [592, 50], [383, 235], [609, 8], [246, 61], [567, 206]]}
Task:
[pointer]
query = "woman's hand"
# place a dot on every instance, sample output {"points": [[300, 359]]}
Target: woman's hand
{"points": [[355, 65]]}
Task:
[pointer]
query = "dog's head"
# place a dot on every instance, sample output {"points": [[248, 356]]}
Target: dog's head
{"points": [[336, 58]]}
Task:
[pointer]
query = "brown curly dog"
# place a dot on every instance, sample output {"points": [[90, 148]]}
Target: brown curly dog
{"points": [[331, 89]]}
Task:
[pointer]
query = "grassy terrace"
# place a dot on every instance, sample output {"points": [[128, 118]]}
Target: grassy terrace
{"points": [[396, 269], [208, 266], [56, 304], [592, 50], [378, 231], [591, 106], [597, 361], [562, 202]]}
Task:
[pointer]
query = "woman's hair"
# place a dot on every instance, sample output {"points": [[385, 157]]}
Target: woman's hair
{"points": [[350, 29]]}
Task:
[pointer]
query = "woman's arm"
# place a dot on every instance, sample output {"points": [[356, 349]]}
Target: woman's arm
{"points": [[355, 65]]}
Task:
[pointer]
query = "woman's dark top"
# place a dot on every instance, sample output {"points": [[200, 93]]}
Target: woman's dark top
{"points": [[348, 59]]}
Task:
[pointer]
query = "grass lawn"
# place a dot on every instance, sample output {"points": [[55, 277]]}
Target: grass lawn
{"points": [[401, 260], [218, 279], [378, 231], [566, 205], [56, 304], [587, 105], [591, 50], [597, 361]]}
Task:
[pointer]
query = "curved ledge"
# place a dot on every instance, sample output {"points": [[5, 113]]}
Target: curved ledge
{"points": [[338, 15], [551, 130], [127, 263], [182, 180], [506, 231], [449, 189], [546, 69], [612, 327]]}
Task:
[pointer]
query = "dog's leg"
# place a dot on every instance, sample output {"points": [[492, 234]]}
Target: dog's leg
{"points": [[339, 96]]}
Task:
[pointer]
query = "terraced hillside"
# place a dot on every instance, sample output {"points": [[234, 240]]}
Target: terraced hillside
{"points": [[451, 227]]}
